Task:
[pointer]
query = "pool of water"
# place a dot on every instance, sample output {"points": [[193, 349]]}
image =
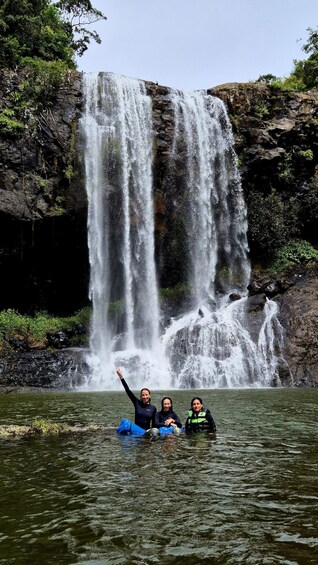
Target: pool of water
{"points": [[247, 497]]}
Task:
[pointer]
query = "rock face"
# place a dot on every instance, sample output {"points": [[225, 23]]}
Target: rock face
{"points": [[299, 316], [276, 142], [43, 249], [43, 369], [43, 241]]}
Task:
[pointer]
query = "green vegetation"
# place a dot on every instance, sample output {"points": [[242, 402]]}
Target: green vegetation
{"points": [[34, 329], [306, 154], [175, 293], [295, 252], [9, 125], [272, 221], [45, 30], [261, 111], [43, 426], [40, 38], [304, 75], [116, 307], [286, 172], [309, 205]]}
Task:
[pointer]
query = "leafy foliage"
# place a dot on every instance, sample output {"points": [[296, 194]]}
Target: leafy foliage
{"points": [[45, 30], [80, 13], [304, 75], [41, 83], [9, 125], [35, 329], [175, 293], [45, 427], [295, 252], [272, 222]]}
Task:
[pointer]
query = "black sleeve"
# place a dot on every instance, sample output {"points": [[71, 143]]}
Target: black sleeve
{"points": [[188, 424], [209, 418], [177, 420], [158, 420], [131, 395], [154, 418]]}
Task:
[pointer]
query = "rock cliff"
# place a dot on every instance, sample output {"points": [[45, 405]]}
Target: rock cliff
{"points": [[43, 246]]}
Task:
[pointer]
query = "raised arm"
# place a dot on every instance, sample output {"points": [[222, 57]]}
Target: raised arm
{"points": [[129, 393]]}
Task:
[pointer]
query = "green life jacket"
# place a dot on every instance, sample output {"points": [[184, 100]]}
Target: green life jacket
{"points": [[199, 418]]}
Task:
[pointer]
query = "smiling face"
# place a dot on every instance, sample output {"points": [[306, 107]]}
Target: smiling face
{"points": [[196, 405], [166, 404], [145, 396]]}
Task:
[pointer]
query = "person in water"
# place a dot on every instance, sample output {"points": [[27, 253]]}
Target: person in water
{"points": [[166, 416], [199, 419], [145, 412]]}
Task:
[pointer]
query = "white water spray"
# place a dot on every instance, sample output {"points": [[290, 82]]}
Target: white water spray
{"points": [[212, 346], [117, 128]]}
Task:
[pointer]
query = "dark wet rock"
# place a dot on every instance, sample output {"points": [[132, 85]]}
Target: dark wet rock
{"points": [[299, 317], [44, 369], [256, 303], [272, 289], [234, 296], [254, 288]]}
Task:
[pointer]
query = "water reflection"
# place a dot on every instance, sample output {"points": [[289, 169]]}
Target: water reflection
{"points": [[250, 496]]}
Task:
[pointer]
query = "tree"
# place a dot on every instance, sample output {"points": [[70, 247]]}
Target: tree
{"points": [[45, 30], [80, 13], [305, 73], [267, 79]]}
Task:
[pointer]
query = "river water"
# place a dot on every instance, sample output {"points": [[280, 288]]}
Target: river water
{"points": [[247, 497]]}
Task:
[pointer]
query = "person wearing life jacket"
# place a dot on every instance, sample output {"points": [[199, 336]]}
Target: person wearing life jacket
{"points": [[166, 416], [145, 412], [199, 419]]}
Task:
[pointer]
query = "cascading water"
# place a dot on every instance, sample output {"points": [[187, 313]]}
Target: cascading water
{"points": [[213, 345], [215, 216], [117, 128]]}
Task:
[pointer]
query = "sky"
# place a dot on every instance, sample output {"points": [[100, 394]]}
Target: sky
{"points": [[198, 44]]}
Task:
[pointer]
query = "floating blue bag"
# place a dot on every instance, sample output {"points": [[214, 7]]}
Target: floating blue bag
{"points": [[166, 430], [126, 427]]}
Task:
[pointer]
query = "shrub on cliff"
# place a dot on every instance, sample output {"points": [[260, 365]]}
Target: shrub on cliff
{"points": [[31, 332], [295, 252], [272, 222]]}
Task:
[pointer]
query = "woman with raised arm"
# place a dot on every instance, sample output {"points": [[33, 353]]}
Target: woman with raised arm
{"points": [[145, 412], [199, 419]]}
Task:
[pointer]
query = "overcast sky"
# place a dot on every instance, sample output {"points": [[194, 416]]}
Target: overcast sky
{"points": [[196, 44]]}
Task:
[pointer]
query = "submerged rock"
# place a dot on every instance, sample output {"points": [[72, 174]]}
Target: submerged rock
{"points": [[43, 428]]}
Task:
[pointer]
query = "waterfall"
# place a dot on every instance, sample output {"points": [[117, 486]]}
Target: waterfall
{"points": [[214, 344], [216, 216], [117, 131]]}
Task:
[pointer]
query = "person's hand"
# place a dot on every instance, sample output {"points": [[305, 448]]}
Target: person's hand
{"points": [[119, 373], [169, 421]]}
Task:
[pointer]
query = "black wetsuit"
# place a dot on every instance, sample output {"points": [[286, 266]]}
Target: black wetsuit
{"points": [[162, 416], [202, 422], [145, 414]]}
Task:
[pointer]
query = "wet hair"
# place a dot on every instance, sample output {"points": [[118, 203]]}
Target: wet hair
{"points": [[145, 388], [196, 398], [166, 398]]}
